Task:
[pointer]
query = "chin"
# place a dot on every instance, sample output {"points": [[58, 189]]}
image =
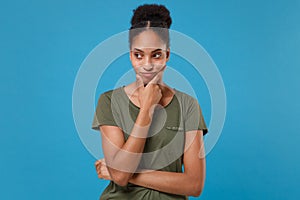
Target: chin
{"points": [[146, 80]]}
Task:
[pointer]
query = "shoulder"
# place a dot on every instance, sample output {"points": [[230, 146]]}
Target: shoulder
{"points": [[109, 93], [187, 102], [185, 98], [110, 96]]}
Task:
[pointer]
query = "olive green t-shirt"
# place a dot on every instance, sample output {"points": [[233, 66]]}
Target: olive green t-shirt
{"points": [[164, 145]]}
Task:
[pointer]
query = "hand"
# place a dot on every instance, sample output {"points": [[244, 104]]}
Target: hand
{"points": [[102, 170], [151, 94]]}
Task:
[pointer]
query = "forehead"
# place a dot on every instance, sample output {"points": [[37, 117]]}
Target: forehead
{"points": [[148, 40]]}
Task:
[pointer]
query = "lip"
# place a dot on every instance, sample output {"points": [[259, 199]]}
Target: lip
{"points": [[147, 74]]}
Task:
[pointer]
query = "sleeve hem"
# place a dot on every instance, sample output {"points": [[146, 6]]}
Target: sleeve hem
{"points": [[96, 127], [205, 130]]}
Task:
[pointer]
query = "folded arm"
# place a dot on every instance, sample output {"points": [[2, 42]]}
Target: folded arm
{"points": [[190, 182], [122, 158]]}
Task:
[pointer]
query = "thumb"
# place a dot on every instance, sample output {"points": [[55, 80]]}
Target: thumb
{"points": [[157, 79]]}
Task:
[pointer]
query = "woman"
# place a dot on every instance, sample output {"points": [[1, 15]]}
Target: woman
{"points": [[148, 129]]}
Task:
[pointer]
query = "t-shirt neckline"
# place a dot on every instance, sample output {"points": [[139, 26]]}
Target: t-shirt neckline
{"points": [[124, 93]]}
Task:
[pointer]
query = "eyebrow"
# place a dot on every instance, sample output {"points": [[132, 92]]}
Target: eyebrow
{"points": [[151, 51]]}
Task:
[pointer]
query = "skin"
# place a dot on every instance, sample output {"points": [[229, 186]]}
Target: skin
{"points": [[148, 91]]}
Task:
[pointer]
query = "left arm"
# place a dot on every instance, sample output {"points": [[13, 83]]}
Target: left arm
{"points": [[190, 182]]}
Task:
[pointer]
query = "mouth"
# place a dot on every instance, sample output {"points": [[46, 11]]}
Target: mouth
{"points": [[147, 74]]}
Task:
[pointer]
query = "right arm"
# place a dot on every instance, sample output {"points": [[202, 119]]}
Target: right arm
{"points": [[123, 157]]}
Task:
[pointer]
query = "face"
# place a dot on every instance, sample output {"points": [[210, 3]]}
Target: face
{"points": [[148, 54]]}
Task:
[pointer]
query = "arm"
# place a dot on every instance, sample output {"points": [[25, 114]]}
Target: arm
{"points": [[123, 157], [190, 182]]}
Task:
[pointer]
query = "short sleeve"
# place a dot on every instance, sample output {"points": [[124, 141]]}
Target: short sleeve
{"points": [[194, 119], [103, 114]]}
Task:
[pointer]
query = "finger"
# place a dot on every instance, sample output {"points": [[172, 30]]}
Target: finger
{"points": [[139, 81], [98, 171], [103, 162], [103, 169], [97, 162], [157, 79], [98, 165], [104, 173]]}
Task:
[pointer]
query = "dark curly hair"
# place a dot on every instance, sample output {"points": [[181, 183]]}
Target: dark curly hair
{"points": [[151, 16]]}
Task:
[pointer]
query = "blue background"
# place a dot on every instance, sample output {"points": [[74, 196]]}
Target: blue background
{"points": [[255, 45]]}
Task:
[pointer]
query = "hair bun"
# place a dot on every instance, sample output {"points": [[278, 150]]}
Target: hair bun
{"points": [[153, 13]]}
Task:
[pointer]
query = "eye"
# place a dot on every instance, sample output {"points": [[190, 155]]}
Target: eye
{"points": [[138, 55], [157, 55]]}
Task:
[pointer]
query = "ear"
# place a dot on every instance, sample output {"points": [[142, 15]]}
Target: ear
{"points": [[168, 54], [130, 55]]}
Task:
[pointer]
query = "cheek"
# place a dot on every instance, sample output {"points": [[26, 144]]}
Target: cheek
{"points": [[134, 61], [159, 67], [135, 66]]}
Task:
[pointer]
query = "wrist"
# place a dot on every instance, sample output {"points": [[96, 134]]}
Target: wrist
{"points": [[133, 178], [144, 118], [148, 109]]}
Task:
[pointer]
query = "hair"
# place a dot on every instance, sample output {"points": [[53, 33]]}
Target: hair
{"points": [[151, 16]]}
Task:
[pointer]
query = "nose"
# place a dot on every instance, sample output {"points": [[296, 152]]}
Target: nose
{"points": [[148, 65]]}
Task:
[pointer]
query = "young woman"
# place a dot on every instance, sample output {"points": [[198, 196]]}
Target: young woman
{"points": [[150, 130]]}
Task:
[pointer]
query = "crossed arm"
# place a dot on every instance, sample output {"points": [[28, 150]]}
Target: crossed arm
{"points": [[189, 183]]}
